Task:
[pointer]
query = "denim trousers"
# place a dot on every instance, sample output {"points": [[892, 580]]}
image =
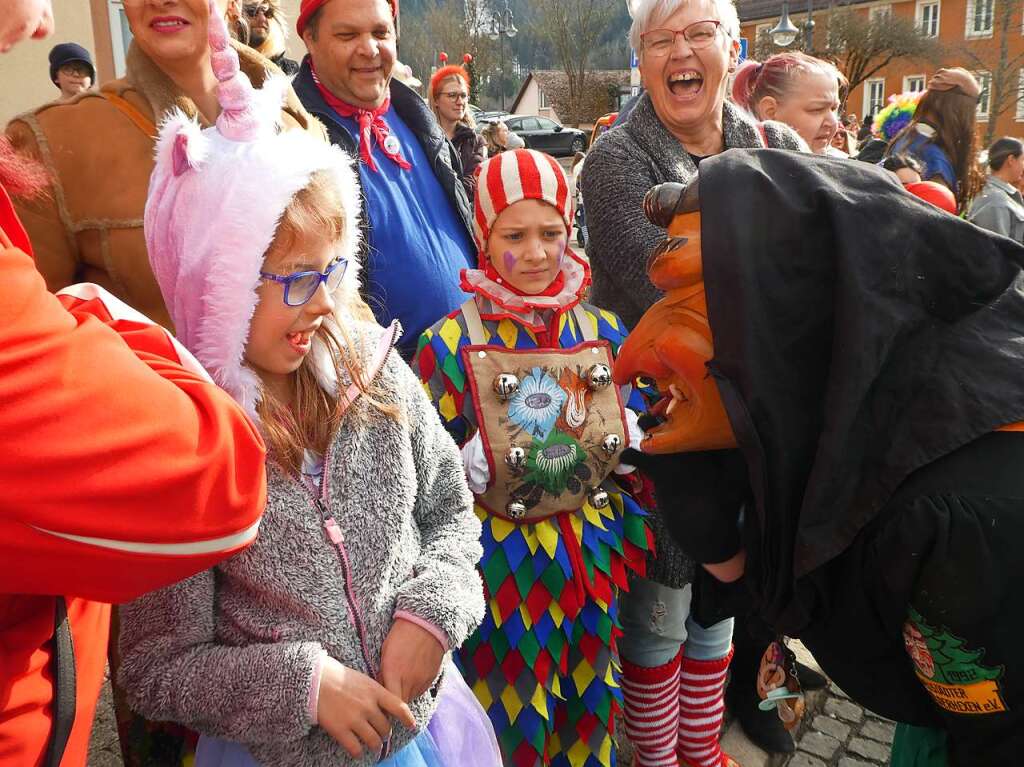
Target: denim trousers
{"points": [[656, 621]]}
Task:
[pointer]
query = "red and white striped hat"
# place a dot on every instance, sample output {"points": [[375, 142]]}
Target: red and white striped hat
{"points": [[514, 175]]}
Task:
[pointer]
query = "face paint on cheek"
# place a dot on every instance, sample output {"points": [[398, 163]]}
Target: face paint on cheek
{"points": [[510, 260], [562, 245]]}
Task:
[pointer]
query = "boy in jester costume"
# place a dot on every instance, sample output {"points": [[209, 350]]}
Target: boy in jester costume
{"points": [[521, 376]]}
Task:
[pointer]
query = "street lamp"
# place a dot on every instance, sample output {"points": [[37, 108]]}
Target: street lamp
{"points": [[784, 32], [502, 26], [809, 28]]}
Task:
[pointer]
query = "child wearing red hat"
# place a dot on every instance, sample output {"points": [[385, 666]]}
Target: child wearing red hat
{"points": [[520, 375]]}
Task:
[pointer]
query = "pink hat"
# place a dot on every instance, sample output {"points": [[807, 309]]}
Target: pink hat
{"points": [[215, 199]]}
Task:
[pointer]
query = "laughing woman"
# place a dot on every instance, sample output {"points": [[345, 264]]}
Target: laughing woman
{"points": [[687, 49]]}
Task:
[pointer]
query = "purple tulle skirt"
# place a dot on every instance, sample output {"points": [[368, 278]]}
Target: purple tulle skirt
{"points": [[458, 734]]}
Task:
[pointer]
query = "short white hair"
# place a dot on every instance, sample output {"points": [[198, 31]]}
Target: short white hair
{"points": [[645, 11]]}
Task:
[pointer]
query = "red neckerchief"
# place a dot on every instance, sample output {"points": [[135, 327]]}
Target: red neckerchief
{"points": [[551, 290], [369, 123]]}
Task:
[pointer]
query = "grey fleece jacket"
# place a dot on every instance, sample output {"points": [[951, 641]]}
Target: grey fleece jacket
{"points": [[234, 651], [619, 171]]}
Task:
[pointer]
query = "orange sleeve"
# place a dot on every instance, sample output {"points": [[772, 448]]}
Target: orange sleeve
{"points": [[121, 471]]}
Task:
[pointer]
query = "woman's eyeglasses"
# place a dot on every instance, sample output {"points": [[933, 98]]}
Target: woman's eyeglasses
{"points": [[252, 11], [699, 34], [456, 96], [300, 287]]}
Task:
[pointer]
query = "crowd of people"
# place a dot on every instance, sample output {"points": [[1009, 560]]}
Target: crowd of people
{"points": [[308, 380]]}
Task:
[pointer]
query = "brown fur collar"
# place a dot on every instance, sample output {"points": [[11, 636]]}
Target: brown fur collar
{"points": [[159, 90]]}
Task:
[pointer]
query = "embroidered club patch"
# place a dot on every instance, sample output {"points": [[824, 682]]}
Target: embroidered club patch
{"points": [[950, 671]]}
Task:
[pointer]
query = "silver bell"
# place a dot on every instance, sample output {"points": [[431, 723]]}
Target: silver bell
{"points": [[611, 443], [505, 385], [599, 376], [515, 459], [515, 509], [599, 498]]}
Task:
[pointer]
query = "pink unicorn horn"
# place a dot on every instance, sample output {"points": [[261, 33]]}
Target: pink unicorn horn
{"points": [[238, 119]]}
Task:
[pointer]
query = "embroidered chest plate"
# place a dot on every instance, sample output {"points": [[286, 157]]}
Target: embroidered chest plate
{"points": [[552, 424]]}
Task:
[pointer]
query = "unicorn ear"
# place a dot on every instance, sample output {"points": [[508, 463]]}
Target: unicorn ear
{"points": [[181, 144]]}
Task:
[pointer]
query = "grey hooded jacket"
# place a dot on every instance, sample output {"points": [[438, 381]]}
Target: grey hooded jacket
{"points": [[620, 169], [233, 652]]}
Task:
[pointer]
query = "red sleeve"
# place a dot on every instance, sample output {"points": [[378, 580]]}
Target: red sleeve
{"points": [[121, 471]]}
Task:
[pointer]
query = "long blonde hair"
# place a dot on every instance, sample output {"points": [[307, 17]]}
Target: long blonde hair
{"points": [[490, 134], [312, 418]]}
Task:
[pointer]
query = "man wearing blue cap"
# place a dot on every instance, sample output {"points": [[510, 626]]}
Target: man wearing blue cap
{"points": [[71, 69]]}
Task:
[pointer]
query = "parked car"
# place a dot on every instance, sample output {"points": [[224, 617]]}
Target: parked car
{"points": [[492, 116], [547, 135]]}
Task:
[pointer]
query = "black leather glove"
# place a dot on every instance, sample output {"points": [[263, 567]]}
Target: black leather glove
{"points": [[699, 497]]}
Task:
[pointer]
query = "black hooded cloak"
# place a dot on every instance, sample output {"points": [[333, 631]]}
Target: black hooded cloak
{"points": [[867, 345]]}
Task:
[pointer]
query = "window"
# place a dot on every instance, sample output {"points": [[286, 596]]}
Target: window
{"points": [[514, 123], [528, 123], [761, 30], [545, 124], [985, 81], [542, 99], [1020, 95], [913, 84], [879, 12], [120, 34], [874, 95], [979, 18], [928, 18]]}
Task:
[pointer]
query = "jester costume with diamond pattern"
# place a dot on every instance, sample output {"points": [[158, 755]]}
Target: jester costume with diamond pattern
{"points": [[544, 661]]}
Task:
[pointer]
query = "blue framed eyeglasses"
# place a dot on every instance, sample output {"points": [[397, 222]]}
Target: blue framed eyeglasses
{"points": [[300, 287]]}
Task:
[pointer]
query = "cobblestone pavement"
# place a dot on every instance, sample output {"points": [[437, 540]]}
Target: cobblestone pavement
{"points": [[836, 733], [843, 734], [104, 750]]}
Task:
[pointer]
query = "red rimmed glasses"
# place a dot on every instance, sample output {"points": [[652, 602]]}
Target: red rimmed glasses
{"points": [[699, 34]]}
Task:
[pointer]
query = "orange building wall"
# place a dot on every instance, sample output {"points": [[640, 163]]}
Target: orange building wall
{"points": [[952, 25]]}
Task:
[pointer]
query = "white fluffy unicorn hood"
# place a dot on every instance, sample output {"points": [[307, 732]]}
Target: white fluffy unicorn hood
{"points": [[215, 199]]}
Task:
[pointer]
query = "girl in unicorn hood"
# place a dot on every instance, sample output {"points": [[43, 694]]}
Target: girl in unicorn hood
{"points": [[326, 642]]}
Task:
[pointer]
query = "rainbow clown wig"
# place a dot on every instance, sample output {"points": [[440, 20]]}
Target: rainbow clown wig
{"points": [[895, 116]]}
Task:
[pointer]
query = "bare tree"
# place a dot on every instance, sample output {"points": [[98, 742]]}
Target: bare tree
{"points": [[574, 28], [861, 46], [992, 56], [456, 27]]}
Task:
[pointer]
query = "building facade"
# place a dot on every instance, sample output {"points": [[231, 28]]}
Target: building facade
{"points": [[983, 36]]}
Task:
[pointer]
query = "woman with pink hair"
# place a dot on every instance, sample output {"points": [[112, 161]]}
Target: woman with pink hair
{"points": [[795, 89]]}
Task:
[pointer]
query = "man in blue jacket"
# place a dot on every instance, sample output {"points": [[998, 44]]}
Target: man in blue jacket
{"points": [[416, 215]]}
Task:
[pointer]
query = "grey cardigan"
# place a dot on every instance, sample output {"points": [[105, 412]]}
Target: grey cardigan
{"points": [[620, 169], [233, 652]]}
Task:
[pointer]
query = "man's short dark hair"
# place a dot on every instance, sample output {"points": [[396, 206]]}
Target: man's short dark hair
{"points": [[1001, 149], [865, 128]]}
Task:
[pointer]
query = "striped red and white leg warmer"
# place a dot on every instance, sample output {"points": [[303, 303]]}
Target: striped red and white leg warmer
{"points": [[701, 707], [651, 712]]}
